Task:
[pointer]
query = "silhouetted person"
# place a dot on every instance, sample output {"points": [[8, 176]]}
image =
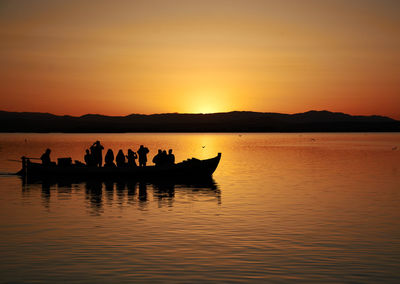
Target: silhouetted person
{"points": [[120, 159], [142, 152], [131, 158], [97, 154], [46, 158], [89, 159], [170, 157], [109, 159], [157, 159], [164, 158]]}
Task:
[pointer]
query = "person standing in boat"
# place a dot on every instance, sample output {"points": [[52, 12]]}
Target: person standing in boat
{"points": [[170, 157], [46, 158], [120, 159], [164, 158], [131, 158], [109, 159], [142, 152], [97, 153]]}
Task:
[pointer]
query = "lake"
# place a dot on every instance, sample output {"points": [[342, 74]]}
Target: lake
{"points": [[282, 208]]}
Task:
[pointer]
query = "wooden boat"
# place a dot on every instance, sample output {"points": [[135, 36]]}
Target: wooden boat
{"points": [[188, 169]]}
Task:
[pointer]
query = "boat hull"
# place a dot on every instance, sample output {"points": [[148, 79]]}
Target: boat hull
{"points": [[192, 168]]}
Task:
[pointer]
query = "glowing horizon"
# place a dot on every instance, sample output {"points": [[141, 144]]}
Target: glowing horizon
{"points": [[73, 58]]}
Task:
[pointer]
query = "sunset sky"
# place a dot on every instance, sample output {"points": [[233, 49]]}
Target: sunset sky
{"points": [[123, 57]]}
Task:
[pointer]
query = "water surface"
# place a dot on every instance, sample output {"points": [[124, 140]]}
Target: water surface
{"points": [[282, 208]]}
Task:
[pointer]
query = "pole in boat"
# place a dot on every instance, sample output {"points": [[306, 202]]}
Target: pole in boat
{"points": [[24, 167], [19, 161]]}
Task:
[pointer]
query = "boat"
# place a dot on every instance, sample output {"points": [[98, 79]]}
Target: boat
{"points": [[189, 169]]}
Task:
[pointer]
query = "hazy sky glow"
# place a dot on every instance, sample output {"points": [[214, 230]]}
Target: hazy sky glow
{"points": [[122, 57]]}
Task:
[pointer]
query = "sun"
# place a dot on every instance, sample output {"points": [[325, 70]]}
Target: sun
{"points": [[206, 108], [206, 102]]}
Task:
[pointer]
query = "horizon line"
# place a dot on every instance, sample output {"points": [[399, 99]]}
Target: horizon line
{"points": [[199, 113]]}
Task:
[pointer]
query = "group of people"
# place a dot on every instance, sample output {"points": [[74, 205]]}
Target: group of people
{"points": [[163, 159], [94, 157]]}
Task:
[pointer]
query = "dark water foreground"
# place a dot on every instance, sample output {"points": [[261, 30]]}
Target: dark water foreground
{"points": [[280, 208]]}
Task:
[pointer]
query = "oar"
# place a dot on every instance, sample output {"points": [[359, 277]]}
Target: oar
{"points": [[21, 159]]}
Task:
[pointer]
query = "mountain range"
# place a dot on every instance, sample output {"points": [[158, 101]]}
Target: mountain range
{"points": [[236, 121]]}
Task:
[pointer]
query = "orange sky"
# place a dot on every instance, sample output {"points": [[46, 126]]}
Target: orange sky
{"points": [[122, 57]]}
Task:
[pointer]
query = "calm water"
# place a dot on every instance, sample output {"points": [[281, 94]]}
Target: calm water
{"points": [[284, 208]]}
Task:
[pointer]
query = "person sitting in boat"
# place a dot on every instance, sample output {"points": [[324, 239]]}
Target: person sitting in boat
{"points": [[120, 159], [170, 157], [97, 153], [109, 159], [157, 160], [89, 159], [131, 157], [46, 161], [142, 152]]}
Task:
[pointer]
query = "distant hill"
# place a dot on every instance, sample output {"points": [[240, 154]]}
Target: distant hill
{"points": [[236, 121]]}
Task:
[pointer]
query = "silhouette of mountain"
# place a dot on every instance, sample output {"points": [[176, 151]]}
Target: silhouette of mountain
{"points": [[236, 121]]}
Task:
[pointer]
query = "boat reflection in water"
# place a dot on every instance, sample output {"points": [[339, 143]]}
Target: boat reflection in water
{"points": [[102, 193]]}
